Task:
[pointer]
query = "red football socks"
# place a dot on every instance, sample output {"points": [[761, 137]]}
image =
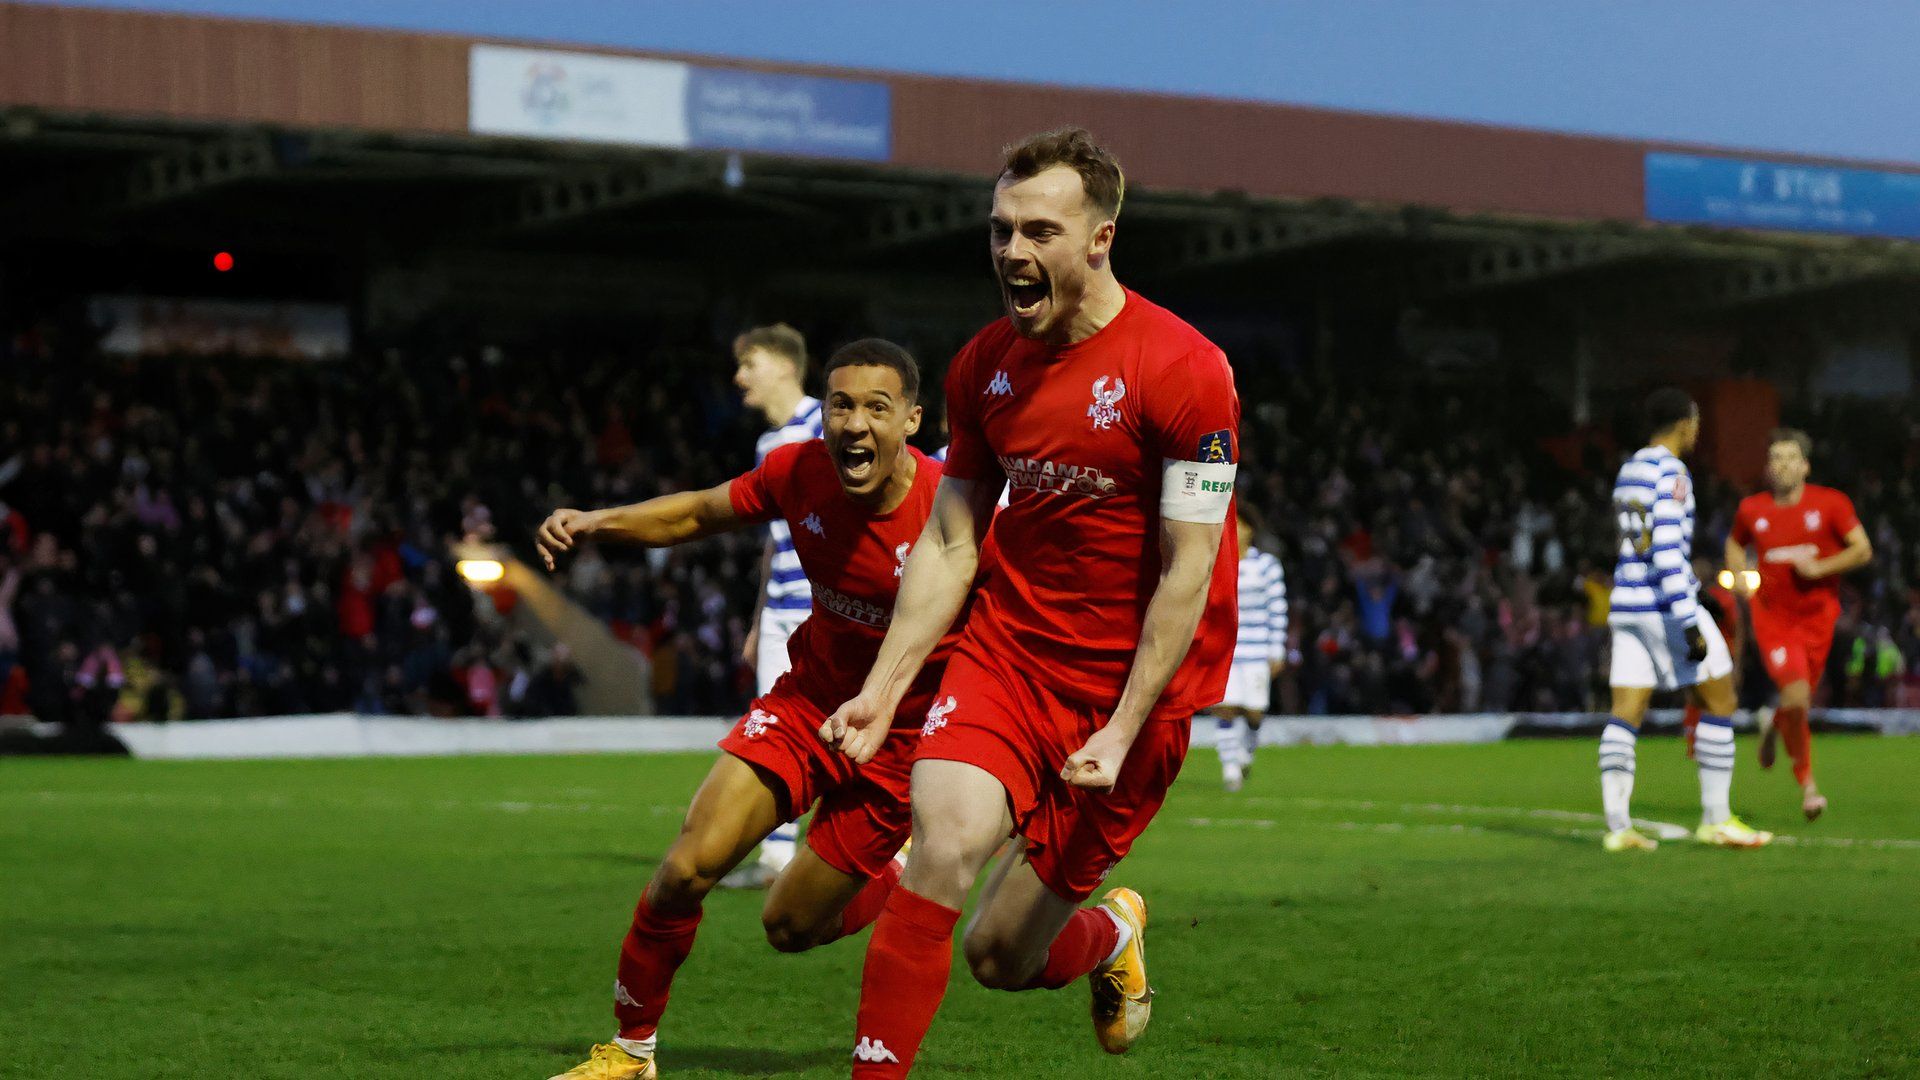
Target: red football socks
{"points": [[905, 977], [654, 949], [1797, 737], [1088, 938], [868, 902]]}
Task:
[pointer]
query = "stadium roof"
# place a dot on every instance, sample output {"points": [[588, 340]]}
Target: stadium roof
{"points": [[137, 128]]}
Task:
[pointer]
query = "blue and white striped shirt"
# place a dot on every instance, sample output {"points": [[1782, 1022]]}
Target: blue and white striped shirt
{"points": [[1653, 503], [1263, 609], [787, 588]]}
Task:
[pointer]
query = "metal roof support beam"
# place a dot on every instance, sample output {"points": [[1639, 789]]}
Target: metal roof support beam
{"points": [[1500, 265], [569, 198], [929, 219], [1262, 234], [1777, 280], [197, 169]]}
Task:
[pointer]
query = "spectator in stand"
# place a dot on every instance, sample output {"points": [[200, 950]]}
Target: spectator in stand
{"points": [[268, 536]]}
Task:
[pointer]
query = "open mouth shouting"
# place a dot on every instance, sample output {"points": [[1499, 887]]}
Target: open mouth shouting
{"points": [[1027, 293], [858, 463]]}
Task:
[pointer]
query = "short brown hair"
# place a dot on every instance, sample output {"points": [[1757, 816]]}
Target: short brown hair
{"points": [[779, 339], [879, 352], [1795, 436], [1073, 147]]}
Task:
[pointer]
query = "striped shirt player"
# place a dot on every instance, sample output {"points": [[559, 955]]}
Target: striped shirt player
{"points": [[1655, 595], [789, 598], [1262, 641], [1661, 638], [1259, 650]]}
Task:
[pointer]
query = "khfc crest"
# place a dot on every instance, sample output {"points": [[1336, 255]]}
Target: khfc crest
{"points": [[758, 721], [1106, 403], [937, 716]]}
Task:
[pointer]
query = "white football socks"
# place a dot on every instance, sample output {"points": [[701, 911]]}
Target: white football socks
{"points": [[1126, 935], [1617, 744], [640, 1048], [1713, 750]]}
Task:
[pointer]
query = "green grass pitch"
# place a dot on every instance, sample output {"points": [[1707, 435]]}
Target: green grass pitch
{"points": [[1430, 911]]}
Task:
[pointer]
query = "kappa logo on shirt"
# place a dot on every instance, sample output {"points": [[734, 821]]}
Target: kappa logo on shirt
{"points": [[937, 716], [758, 721], [1106, 403], [900, 557], [999, 384], [1813, 519], [812, 524]]}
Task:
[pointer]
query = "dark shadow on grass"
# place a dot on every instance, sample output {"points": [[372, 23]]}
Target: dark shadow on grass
{"points": [[1540, 832], [618, 858], [748, 1060]]}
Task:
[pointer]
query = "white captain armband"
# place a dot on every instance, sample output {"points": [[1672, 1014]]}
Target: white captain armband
{"points": [[1197, 491]]}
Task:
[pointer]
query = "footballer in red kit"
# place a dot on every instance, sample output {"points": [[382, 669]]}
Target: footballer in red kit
{"points": [[1108, 622], [1805, 536], [857, 500]]}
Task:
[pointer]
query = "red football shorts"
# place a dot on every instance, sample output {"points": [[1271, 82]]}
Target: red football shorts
{"points": [[863, 816], [1793, 647], [989, 715]]}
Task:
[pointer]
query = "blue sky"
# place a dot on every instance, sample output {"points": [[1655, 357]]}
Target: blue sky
{"points": [[1834, 79]]}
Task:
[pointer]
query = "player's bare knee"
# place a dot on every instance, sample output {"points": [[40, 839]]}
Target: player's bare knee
{"points": [[999, 962], [790, 931], [1717, 697], [686, 873]]}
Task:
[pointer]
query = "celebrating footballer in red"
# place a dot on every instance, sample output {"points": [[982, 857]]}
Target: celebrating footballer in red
{"points": [[857, 502], [1108, 622], [1805, 536]]}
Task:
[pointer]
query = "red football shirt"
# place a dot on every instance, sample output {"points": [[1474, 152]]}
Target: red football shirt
{"points": [[1080, 434], [1815, 526], [853, 558]]}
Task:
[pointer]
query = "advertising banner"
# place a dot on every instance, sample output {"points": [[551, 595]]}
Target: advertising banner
{"points": [[549, 94], [1739, 193]]}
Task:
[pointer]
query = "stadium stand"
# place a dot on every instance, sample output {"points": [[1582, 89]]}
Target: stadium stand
{"points": [[293, 554]]}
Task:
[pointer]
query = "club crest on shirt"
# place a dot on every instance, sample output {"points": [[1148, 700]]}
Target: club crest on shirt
{"points": [[1106, 403], [1760, 525], [937, 716], [758, 721], [1216, 447]]}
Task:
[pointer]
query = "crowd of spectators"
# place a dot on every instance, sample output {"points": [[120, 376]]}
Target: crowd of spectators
{"points": [[210, 538], [190, 538]]}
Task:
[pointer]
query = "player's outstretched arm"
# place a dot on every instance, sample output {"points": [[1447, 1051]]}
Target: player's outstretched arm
{"points": [[1188, 550], [933, 587], [662, 522]]}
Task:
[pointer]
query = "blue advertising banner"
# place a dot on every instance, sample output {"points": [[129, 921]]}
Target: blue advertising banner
{"points": [[1738, 193], [593, 97], [789, 114]]}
